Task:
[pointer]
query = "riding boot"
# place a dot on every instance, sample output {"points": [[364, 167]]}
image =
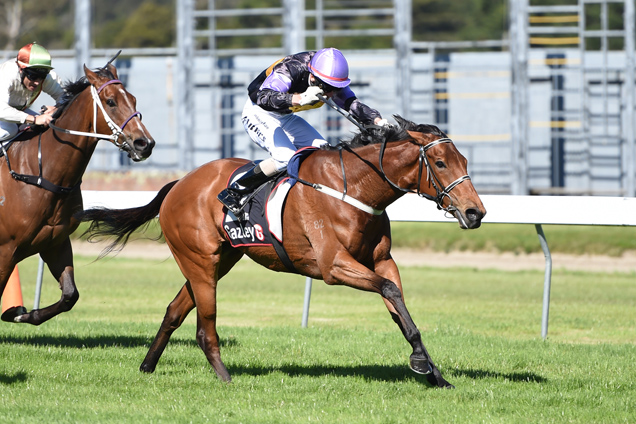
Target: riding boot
{"points": [[233, 197]]}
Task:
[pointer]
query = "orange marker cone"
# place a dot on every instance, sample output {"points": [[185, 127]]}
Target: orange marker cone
{"points": [[12, 303]]}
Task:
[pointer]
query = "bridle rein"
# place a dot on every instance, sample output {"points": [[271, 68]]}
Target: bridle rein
{"points": [[432, 178]]}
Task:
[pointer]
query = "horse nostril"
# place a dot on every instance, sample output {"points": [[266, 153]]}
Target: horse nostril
{"points": [[474, 215], [142, 144]]}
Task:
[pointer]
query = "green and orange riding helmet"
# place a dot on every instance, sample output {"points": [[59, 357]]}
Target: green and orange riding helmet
{"points": [[34, 61]]}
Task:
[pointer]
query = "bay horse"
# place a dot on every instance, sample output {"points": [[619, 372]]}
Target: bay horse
{"points": [[341, 242], [40, 180]]}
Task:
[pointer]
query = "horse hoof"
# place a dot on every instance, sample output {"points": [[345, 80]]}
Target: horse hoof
{"points": [[421, 366], [147, 368], [14, 314]]}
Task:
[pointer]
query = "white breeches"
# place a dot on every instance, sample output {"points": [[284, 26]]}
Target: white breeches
{"points": [[281, 135], [10, 129]]}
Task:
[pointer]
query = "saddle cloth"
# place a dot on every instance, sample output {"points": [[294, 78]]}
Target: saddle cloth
{"points": [[261, 223]]}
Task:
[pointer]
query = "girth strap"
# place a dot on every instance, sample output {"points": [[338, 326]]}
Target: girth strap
{"points": [[39, 180]]}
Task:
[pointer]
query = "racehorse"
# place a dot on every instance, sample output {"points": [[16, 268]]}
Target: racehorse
{"points": [[40, 180], [343, 239]]}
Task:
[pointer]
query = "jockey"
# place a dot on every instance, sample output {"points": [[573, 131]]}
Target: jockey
{"points": [[291, 85], [21, 82]]}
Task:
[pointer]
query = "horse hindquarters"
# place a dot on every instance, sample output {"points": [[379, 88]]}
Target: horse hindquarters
{"points": [[191, 220]]}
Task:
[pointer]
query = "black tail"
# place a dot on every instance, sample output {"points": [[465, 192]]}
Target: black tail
{"points": [[121, 223]]}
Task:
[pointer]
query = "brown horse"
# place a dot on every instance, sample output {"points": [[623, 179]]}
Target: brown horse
{"points": [[40, 180], [341, 242]]}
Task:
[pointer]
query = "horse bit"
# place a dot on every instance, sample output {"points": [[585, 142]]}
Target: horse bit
{"points": [[440, 190]]}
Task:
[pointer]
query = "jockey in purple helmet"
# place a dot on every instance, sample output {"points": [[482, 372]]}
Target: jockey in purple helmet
{"points": [[291, 85]]}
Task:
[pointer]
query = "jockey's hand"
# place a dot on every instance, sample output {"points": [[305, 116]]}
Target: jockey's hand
{"points": [[381, 122], [43, 120], [310, 96]]}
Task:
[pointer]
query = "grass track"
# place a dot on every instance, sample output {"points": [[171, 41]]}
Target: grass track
{"points": [[481, 327]]}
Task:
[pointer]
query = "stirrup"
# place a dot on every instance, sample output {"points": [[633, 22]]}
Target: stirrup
{"points": [[231, 201]]}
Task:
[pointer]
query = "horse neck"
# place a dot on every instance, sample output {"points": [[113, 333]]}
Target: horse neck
{"points": [[72, 151], [365, 179]]}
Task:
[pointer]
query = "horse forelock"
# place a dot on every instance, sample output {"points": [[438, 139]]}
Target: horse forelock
{"points": [[72, 89], [394, 133]]}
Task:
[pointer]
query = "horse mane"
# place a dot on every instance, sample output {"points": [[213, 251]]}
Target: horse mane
{"points": [[393, 133], [73, 88]]}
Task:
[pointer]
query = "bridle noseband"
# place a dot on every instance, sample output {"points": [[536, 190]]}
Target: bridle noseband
{"points": [[116, 130], [440, 190]]}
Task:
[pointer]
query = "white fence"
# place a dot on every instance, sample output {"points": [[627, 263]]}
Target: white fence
{"points": [[535, 210]]}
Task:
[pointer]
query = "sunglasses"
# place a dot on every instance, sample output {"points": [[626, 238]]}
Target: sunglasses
{"points": [[36, 74]]}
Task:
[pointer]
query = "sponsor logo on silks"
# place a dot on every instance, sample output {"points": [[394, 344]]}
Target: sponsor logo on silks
{"points": [[251, 233]]}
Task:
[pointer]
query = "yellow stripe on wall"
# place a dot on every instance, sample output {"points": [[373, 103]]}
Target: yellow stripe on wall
{"points": [[555, 61], [554, 19], [554, 41]]}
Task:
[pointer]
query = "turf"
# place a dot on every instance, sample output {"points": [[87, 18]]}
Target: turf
{"points": [[480, 326]]}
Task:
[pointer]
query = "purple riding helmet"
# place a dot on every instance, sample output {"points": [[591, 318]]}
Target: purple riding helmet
{"points": [[330, 66]]}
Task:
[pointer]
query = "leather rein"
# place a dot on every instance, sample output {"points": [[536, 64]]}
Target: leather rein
{"points": [[39, 180]]}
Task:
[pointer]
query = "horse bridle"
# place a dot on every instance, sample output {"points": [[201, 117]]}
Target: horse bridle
{"points": [[116, 130], [39, 180], [440, 190]]}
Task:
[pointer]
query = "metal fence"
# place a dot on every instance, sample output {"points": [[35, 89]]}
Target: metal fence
{"points": [[548, 111]]}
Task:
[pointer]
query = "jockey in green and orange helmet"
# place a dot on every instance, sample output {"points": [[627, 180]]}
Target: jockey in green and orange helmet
{"points": [[21, 82]]}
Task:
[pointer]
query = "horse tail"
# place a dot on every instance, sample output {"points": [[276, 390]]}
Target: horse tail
{"points": [[121, 223]]}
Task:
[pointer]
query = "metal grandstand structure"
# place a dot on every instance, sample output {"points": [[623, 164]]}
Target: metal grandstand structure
{"points": [[547, 110]]}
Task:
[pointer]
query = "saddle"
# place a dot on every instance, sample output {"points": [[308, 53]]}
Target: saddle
{"points": [[260, 223], [26, 132]]}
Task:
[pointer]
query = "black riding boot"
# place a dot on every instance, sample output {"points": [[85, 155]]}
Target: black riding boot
{"points": [[233, 196]]}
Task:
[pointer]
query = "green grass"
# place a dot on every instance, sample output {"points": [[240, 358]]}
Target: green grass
{"points": [[482, 327], [517, 238]]}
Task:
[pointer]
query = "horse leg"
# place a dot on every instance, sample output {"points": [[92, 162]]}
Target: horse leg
{"points": [[179, 309], [60, 262], [176, 313], [420, 360], [207, 336], [386, 282]]}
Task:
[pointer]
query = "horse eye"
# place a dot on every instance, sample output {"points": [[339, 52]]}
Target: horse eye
{"points": [[111, 103], [440, 164]]}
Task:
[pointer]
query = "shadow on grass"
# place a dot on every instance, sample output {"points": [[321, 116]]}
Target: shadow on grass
{"points": [[393, 373], [514, 376], [92, 342], [18, 377]]}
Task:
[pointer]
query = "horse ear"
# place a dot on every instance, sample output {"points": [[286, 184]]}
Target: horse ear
{"points": [[418, 136], [112, 70], [90, 76]]}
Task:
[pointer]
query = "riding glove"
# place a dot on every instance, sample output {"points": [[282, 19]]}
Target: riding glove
{"points": [[310, 96]]}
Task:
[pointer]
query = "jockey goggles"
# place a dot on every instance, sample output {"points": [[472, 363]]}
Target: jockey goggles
{"points": [[326, 88], [36, 74]]}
